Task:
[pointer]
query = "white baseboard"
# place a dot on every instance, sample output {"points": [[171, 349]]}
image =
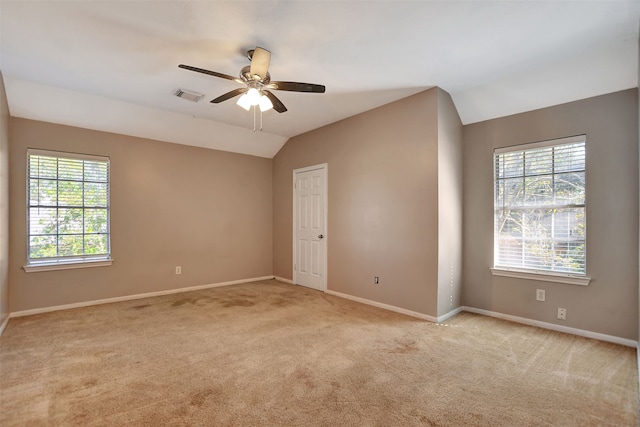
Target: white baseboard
{"points": [[450, 314], [132, 297], [638, 366], [384, 306], [516, 319], [554, 327], [4, 324]]}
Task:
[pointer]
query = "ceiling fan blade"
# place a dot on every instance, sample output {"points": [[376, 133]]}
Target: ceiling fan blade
{"points": [[297, 87], [229, 95], [211, 73], [277, 104], [260, 62]]}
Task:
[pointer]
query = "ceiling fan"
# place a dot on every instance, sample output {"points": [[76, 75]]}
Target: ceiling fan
{"points": [[257, 83]]}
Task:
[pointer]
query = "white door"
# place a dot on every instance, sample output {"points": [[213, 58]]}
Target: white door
{"points": [[309, 222]]}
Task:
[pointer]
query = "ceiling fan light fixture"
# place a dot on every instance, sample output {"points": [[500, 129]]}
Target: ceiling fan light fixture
{"points": [[254, 96], [257, 85], [265, 103], [244, 102]]}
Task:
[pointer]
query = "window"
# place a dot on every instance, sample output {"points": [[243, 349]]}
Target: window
{"points": [[68, 210], [539, 207]]}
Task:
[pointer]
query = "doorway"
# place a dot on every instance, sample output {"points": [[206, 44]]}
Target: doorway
{"points": [[310, 227]]}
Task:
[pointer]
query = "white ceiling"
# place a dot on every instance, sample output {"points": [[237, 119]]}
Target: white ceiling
{"points": [[112, 65]]}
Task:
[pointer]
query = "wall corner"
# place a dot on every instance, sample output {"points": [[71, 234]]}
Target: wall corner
{"points": [[449, 205]]}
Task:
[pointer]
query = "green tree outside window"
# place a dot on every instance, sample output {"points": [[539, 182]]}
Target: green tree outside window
{"points": [[68, 212]]}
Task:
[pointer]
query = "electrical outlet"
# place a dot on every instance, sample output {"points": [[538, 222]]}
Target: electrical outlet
{"points": [[376, 280], [540, 294], [178, 270], [562, 313]]}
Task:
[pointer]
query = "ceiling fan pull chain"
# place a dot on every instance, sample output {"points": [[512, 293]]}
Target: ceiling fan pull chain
{"points": [[260, 120], [254, 118]]}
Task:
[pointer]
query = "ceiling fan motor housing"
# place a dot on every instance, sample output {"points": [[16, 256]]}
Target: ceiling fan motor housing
{"points": [[245, 74], [256, 76]]}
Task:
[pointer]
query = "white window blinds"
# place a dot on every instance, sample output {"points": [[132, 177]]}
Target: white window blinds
{"points": [[68, 207], [539, 207]]}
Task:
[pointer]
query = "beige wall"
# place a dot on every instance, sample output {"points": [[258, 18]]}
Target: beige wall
{"points": [[395, 187], [382, 202], [609, 304], [449, 205], [207, 211], [4, 203]]}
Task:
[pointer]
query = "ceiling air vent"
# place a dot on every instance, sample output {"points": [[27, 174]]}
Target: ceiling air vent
{"points": [[189, 95]]}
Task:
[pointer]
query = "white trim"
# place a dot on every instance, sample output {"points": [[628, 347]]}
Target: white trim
{"points": [[525, 148], [282, 279], [4, 324], [67, 155], [67, 262], [516, 319], [383, 306], [450, 314], [541, 144], [638, 365], [66, 265], [568, 279], [554, 327], [131, 297], [325, 167]]}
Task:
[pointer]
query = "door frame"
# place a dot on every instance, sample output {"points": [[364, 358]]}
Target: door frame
{"points": [[325, 168]]}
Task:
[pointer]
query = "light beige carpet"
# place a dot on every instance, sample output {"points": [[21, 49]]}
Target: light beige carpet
{"points": [[271, 354]]}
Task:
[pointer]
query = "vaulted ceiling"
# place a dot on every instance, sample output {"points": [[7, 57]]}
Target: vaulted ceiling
{"points": [[112, 65]]}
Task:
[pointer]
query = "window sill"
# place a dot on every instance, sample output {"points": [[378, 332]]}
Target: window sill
{"points": [[35, 268], [542, 276]]}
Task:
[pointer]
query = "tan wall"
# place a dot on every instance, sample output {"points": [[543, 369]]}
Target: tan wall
{"points": [[4, 203], [609, 304], [394, 201], [207, 211], [382, 202], [449, 205]]}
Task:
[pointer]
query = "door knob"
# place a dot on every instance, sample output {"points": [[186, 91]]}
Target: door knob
{"points": [[320, 236]]}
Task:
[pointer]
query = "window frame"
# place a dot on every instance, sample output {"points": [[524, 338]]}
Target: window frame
{"points": [[72, 261], [572, 278]]}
